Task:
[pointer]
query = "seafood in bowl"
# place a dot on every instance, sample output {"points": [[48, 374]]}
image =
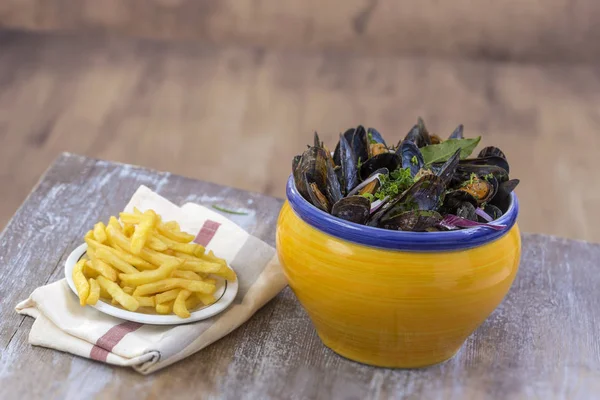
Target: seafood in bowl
{"points": [[399, 257], [423, 183]]}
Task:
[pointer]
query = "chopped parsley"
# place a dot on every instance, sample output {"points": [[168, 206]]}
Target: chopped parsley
{"points": [[414, 160], [395, 183], [472, 179], [371, 140], [368, 196], [488, 176], [359, 163]]}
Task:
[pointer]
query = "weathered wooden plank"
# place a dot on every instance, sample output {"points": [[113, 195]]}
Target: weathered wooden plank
{"points": [[541, 342]]}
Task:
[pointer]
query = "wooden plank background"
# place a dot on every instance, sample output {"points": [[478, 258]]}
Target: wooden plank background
{"points": [[541, 342], [237, 115], [535, 30]]}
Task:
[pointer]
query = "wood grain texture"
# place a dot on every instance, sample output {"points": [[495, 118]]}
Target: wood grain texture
{"points": [[237, 116], [541, 342], [536, 30]]}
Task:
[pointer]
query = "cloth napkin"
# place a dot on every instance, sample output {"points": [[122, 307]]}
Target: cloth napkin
{"points": [[62, 324]]}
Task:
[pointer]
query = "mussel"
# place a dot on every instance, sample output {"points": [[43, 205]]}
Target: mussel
{"points": [[352, 208], [390, 161], [491, 151], [457, 133], [466, 210], [371, 184], [419, 134], [415, 221], [411, 157], [427, 194], [349, 167], [315, 178]]}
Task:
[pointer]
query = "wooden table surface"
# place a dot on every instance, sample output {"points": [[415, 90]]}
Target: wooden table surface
{"points": [[542, 342]]}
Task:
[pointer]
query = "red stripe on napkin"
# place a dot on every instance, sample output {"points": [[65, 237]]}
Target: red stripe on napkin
{"points": [[110, 339], [207, 232]]}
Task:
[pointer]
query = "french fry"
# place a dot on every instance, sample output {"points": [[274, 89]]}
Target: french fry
{"points": [[81, 284], [127, 301], [145, 277], [94, 295], [201, 266], [172, 225], [130, 218], [177, 236], [128, 229], [211, 281], [179, 307], [128, 289], [167, 296], [99, 232], [104, 294], [172, 283], [114, 222], [136, 261], [154, 243], [150, 256], [100, 266], [206, 299], [193, 302], [110, 258], [89, 235], [191, 275], [88, 271], [225, 271], [192, 249], [165, 308], [145, 301], [142, 231]]}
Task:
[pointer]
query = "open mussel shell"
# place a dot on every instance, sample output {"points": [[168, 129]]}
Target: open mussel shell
{"points": [[390, 161], [464, 171], [317, 197], [296, 162], [426, 194], [491, 151], [458, 132], [488, 160], [352, 208], [315, 178], [415, 221], [480, 189], [371, 184], [375, 136], [411, 157], [418, 134]]}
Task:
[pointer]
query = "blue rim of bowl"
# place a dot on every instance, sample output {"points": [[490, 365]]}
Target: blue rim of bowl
{"points": [[398, 240]]}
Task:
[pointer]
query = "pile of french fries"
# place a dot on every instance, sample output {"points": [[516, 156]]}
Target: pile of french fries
{"points": [[146, 265]]}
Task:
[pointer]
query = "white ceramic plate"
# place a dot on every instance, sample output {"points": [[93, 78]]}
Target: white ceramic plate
{"points": [[226, 292]]}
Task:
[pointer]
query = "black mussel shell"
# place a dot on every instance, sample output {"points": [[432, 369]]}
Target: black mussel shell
{"points": [[371, 184], [488, 160], [352, 208], [419, 135], [447, 170], [374, 135], [427, 194], [502, 198], [456, 198], [481, 190], [336, 153], [317, 141], [411, 157], [491, 151], [313, 164], [415, 221], [492, 211], [464, 171], [348, 164], [466, 210], [333, 189], [458, 133], [296, 162], [317, 197], [390, 161], [360, 144]]}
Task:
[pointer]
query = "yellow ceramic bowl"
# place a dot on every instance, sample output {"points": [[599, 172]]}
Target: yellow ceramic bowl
{"points": [[389, 298]]}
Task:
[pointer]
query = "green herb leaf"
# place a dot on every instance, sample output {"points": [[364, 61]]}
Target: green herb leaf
{"points": [[443, 151], [216, 207], [395, 183], [414, 160], [368, 196], [371, 140], [358, 163]]}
